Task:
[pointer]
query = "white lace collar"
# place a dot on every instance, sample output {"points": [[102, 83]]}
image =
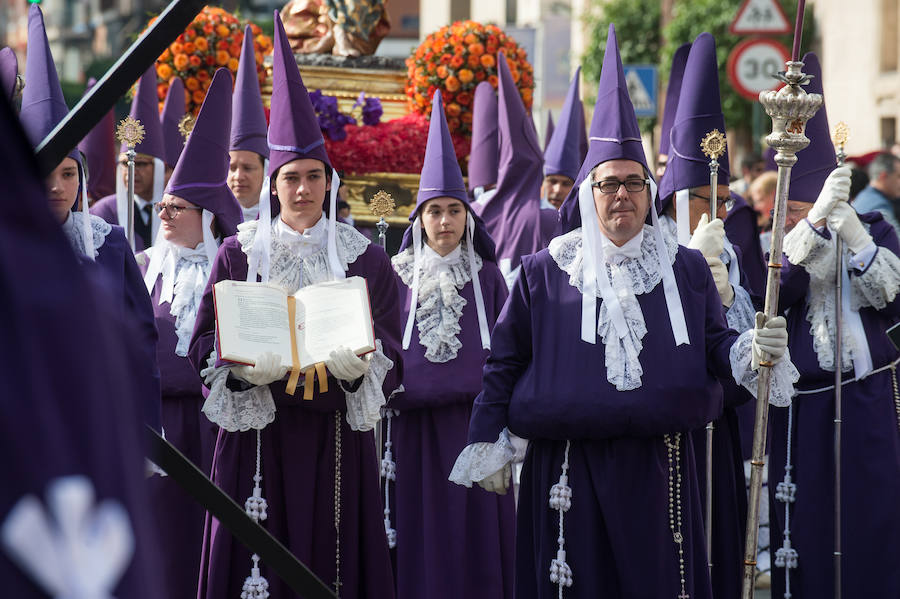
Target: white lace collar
{"points": [[72, 228], [290, 268], [439, 305], [304, 242], [630, 277]]}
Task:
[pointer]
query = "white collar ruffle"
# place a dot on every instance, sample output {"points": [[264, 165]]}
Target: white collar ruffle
{"points": [[184, 274], [630, 277], [439, 305], [72, 228], [298, 259]]}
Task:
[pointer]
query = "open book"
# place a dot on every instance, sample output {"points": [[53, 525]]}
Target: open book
{"points": [[253, 318]]}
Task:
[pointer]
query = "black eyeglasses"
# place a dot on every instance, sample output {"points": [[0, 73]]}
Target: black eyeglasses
{"points": [[612, 185], [171, 210], [727, 202]]}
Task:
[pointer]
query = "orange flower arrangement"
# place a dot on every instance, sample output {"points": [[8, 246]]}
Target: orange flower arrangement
{"points": [[211, 41], [455, 59]]}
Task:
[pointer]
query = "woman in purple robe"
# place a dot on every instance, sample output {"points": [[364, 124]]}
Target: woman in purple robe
{"points": [[607, 393], [175, 270], [801, 468], [306, 470], [454, 292]]}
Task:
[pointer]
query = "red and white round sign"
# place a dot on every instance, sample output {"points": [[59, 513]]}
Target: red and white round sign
{"points": [[752, 64]]}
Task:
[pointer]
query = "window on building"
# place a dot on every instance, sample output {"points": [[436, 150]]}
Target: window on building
{"points": [[888, 131], [890, 32]]}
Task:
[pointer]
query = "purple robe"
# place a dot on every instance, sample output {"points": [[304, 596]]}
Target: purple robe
{"points": [[549, 225], [105, 208], [179, 517], [298, 460], [434, 518], [870, 520], [537, 382]]}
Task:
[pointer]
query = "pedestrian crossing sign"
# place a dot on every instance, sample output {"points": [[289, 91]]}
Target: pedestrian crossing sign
{"points": [[641, 80]]}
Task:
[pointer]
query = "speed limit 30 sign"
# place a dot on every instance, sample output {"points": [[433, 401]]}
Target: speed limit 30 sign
{"points": [[752, 66]]}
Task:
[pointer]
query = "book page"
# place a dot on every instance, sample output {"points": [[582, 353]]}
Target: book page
{"points": [[331, 315], [251, 319]]}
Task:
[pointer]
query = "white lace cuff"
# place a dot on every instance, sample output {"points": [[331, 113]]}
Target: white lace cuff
{"points": [[784, 373], [235, 410], [741, 315], [364, 405], [478, 461], [807, 248], [879, 284]]}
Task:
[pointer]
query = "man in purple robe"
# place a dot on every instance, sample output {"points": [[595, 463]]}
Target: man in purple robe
{"points": [[169, 119], [249, 153], [512, 214], [801, 469], [102, 246], [484, 157], [685, 193], [99, 150], [73, 511], [308, 472], [149, 169], [454, 292], [606, 398], [195, 216]]}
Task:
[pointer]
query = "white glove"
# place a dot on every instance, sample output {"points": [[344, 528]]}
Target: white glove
{"points": [[836, 189], [268, 369], [498, 482], [708, 237], [770, 340], [346, 365], [720, 276], [844, 220]]}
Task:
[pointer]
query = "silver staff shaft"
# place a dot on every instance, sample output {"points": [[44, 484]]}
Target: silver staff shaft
{"points": [[129, 226], [790, 109], [382, 226], [710, 428], [838, 366]]}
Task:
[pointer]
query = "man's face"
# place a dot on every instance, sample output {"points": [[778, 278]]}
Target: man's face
{"points": [[621, 214], [444, 221], [555, 188], [300, 188], [699, 203], [754, 171], [143, 175], [889, 183], [796, 212], [245, 176], [62, 188], [181, 222]]}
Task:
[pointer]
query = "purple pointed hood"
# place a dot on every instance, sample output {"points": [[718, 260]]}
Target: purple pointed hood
{"points": [[615, 134], [673, 89], [817, 160], [172, 113], [484, 155], [582, 132], [548, 132], [9, 68], [699, 112], [43, 105], [145, 108], [248, 116], [512, 215], [442, 178], [99, 149], [563, 154], [201, 172], [294, 131]]}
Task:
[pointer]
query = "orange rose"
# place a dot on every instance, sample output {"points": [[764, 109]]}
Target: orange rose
{"points": [[452, 83], [473, 61], [465, 76], [476, 49], [487, 61], [479, 75], [194, 60], [442, 72], [163, 71], [176, 48], [180, 61], [493, 80], [420, 100], [203, 76], [526, 95], [466, 117], [189, 48], [233, 64], [222, 58], [437, 46], [453, 124], [470, 38], [202, 44], [453, 109], [457, 61], [165, 56], [192, 84], [222, 30], [205, 85], [197, 97], [161, 90]]}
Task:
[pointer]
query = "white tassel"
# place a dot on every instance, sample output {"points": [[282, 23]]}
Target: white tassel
{"points": [[388, 473], [255, 586], [561, 501]]}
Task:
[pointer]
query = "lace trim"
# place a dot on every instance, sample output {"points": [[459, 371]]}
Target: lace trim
{"points": [[784, 373], [190, 281], [478, 461], [364, 405], [805, 247], [439, 304], [99, 227], [741, 316], [630, 278], [292, 271], [879, 284], [235, 410]]}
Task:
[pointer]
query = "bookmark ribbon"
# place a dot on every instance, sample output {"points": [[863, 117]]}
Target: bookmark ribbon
{"points": [[313, 372], [295, 357]]}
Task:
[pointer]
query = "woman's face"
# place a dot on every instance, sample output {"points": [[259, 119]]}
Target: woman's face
{"points": [[62, 188], [444, 221]]}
